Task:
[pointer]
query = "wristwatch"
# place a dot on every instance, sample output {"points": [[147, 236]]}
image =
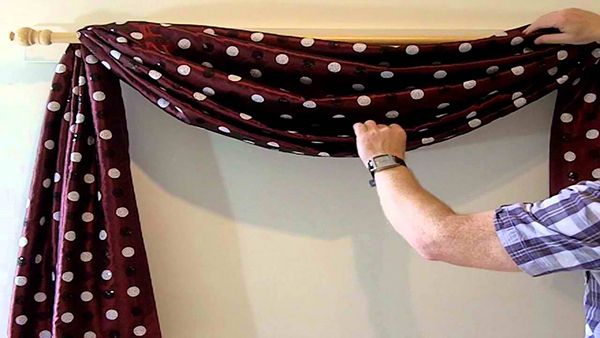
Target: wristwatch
{"points": [[382, 162]]}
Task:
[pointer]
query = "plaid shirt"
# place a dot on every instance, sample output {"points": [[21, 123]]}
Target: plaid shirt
{"points": [[561, 233]]}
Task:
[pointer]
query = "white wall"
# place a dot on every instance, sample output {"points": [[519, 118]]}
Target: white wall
{"points": [[286, 246]]}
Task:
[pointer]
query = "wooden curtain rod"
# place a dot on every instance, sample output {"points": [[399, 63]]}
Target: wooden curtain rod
{"points": [[27, 36]]}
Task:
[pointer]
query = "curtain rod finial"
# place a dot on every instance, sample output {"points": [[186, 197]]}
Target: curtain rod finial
{"points": [[27, 36]]}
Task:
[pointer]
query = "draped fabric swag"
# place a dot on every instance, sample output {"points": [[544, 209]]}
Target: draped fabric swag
{"points": [[82, 268]]}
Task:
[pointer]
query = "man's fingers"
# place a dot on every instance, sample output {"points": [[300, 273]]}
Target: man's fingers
{"points": [[395, 126], [359, 128], [370, 124], [549, 20], [553, 39]]}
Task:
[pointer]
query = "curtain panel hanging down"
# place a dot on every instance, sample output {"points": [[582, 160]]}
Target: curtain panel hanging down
{"points": [[82, 268]]}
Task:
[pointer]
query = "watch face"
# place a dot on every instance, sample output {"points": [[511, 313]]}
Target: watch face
{"points": [[381, 161]]}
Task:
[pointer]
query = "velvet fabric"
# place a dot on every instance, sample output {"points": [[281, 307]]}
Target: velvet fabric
{"points": [[82, 268]]}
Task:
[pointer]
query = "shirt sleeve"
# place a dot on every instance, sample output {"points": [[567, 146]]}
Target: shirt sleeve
{"points": [[561, 233]]}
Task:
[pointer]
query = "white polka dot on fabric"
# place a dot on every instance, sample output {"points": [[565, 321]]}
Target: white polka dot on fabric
{"points": [[114, 173], [208, 91], [232, 51], [46, 183], [306, 80], [102, 235], [470, 84], [209, 31], [38, 259], [60, 68], [184, 43], [309, 104], [42, 220], [106, 64], [323, 154], [136, 35], [562, 54], [492, 69], [56, 177], [257, 37], [163, 103], [91, 59], [87, 217], [516, 95], [282, 59], [273, 144], [40, 297], [70, 236], [443, 105], [363, 100], [392, 114], [566, 118], [255, 73], [517, 40], [589, 98], [122, 212], [21, 320], [128, 252], [105, 134], [386, 74], [98, 96], [286, 116], [139, 331], [412, 50], [76, 157], [471, 115], [334, 67], [154, 74], [358, 87], [257, 98], [86, 296], [465, 47], [20, 280], [427, 140], [338, 116], [307, 42], [79, 118], [56, 216], [89, 334], [67, 276], [569, 156], [474, 123], [552, 71], [73, 196], [224, 129], [440, 74], [184, 70], [592, 134], [121, 39], [45, 334], [53, 106], [245, 116], [234, 78], [520, 102], [112, 314], [89, 178], [417, 94], [67, 317], [86, 256], [138, 59], [562, 79], [596, 173], [596, 53], [115, 54], [106, 275], [359, 47], [518, 70]]}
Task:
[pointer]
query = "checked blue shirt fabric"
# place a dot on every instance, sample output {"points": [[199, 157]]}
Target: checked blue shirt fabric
{"points": [[560, 233]]}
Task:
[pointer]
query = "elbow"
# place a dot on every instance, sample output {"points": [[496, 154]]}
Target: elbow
{"points": [[428, 247]]}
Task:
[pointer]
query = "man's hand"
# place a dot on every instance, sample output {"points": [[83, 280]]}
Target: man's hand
{"points": [[377, 139], [577, 27]]}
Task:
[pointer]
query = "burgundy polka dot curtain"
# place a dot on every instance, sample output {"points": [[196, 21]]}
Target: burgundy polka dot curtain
{"points": [[82, 268]]}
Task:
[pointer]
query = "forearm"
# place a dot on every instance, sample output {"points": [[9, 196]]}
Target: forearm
{"points": [[434, 230]]}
